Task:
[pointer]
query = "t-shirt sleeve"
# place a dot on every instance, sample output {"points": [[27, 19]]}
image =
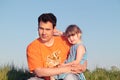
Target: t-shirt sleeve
{"points": [[34, 58], [66, 43]]}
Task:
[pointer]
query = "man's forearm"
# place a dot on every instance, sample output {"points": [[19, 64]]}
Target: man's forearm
{"points": [[84, 66], [41, 72]]}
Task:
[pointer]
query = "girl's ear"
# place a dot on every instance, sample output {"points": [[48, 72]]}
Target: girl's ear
{"points": [[79, 35]]}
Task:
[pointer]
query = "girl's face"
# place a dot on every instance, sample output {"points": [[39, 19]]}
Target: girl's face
{"points": [[74, 38]]}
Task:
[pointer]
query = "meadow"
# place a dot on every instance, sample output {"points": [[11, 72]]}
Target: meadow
{"points": [[10, 72]]}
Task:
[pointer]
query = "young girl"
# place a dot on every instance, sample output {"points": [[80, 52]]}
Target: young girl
{"points": [[77, 51]]}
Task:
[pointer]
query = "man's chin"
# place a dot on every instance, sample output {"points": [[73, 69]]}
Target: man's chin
{"points": [[44, 40]]}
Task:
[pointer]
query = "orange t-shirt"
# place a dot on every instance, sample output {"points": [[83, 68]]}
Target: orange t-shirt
{"points": [[39, 55]]}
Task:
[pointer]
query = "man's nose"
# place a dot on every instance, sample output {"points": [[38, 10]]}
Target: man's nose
{"points": [[44, 31]]}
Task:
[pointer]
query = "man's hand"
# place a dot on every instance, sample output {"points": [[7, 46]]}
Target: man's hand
{"points": [[78, 68]]}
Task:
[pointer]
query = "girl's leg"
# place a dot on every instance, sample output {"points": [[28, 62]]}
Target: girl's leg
{"points": [[71, 77]]}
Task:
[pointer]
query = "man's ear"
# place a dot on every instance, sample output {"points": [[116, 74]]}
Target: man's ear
{"points": [[54, 28], [55, 31]]}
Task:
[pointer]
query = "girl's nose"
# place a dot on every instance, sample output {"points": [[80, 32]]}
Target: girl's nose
{"points": [[71, 37]]}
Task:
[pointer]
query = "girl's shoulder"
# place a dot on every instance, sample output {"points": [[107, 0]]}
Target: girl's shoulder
{"points": [[81, 46]]}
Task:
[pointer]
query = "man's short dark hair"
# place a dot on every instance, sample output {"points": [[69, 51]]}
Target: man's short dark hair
{"points": [[45, 17]]}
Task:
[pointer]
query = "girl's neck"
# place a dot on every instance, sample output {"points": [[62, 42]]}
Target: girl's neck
{"points": [[79, 42]]}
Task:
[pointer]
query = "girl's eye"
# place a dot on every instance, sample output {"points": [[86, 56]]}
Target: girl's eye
{"points": [[71, 35]]}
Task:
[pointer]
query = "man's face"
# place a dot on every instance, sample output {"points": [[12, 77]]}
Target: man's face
{"points": [[45, 31]]}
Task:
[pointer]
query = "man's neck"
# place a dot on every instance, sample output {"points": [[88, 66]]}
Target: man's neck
{"points": [[50, 43]]}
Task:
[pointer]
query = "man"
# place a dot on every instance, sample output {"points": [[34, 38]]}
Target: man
{"points": [[45, 53]]}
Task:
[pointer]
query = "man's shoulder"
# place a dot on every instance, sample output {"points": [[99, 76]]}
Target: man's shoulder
{"points": [[60, 38], [34, 43]]}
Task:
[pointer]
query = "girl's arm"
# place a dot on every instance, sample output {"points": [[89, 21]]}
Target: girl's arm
{"points": [[58, 32], [80, 52], [78, 68], [79, 55]]}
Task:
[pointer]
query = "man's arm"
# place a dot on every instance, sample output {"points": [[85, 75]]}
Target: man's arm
{"points": [[42, 72], [75, 68], [79, 68]]}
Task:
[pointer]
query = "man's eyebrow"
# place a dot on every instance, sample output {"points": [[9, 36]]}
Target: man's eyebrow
{"points": [[45, 28]]}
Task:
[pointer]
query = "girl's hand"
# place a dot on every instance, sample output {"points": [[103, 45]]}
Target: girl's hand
{"points": [[57, 32]]}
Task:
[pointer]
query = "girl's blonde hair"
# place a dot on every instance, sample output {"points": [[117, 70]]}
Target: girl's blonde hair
{"points": [[72, 30]]}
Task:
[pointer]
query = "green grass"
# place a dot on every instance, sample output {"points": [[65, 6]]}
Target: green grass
{"points": [[9, 72], [103, 74]]}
